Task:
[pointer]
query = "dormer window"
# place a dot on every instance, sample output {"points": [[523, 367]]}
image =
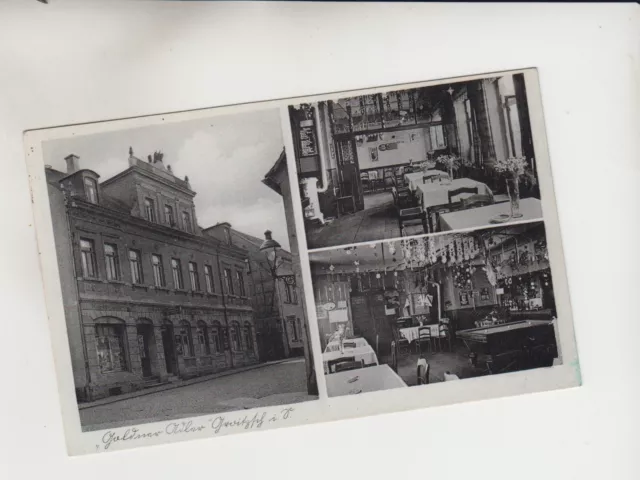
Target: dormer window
{"points": [[186, 222], [149, 210], [91, 189], [168, 216], [227, 237]]}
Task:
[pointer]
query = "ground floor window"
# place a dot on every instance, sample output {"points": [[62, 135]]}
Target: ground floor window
{"points": [[295, 328], [185, 345], [248, 337], [235, 337], [203, 340], [110, 348], [216, 340]]}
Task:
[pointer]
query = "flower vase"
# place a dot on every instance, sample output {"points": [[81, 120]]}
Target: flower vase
{"points": [[515, 198]]}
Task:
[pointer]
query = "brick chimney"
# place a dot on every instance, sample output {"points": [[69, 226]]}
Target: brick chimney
{"points": [[73, 163]]}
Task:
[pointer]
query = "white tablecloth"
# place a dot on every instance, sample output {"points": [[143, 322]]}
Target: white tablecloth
{"points": [[413, 179], [362, 380], [365, 354], [335, 345], [431, 194], [411, 333], [530, 208]]}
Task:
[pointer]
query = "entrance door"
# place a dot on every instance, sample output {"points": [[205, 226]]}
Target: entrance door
{"points": [[349, 172], [169, 349], [144, 340]]}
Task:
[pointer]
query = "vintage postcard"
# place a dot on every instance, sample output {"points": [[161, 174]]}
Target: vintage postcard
{"points": [[303, 260]]}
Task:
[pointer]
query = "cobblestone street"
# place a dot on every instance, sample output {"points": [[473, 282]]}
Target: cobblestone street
{"points": [[278, 384]]}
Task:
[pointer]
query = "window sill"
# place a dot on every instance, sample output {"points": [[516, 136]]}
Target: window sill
{"points": [[163, 289], [117, 282], [198, 293], [140, 286], [180, 290], [90, 279]]}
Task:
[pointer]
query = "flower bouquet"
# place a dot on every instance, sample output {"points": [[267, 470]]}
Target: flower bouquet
{"points": [[451, 163], [513, 168]]}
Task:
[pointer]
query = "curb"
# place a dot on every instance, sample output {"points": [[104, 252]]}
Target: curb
{"points": [[183, 383]]}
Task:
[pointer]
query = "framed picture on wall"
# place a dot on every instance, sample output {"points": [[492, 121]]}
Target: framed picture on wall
{"points": [[464, 298], [373, 154]]}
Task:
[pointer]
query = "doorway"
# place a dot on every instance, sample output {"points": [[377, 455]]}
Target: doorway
{"points": [[145, 342], [169, 348]]}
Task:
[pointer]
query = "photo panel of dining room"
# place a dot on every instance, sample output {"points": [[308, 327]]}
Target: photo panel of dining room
{"points": [[431, 309], [410, 161]]}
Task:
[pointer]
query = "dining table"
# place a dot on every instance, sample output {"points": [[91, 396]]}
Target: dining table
{"points": [[363, 353], [413, 179], [412, 333], [432, 194], [530, 209], [362, 380]]}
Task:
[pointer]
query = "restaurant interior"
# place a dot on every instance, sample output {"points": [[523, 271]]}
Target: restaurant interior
{"points": [[440, 307], [415, 161]]}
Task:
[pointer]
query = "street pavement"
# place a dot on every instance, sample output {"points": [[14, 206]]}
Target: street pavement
{"points": [[279, 384]]}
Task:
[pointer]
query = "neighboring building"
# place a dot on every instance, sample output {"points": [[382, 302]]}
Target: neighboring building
{"points": [[278, 180], [147, 296], [273, 307]]}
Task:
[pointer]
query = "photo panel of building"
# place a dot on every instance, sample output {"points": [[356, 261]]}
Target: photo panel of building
{"points": [[162, 294], [436, 308], [411, 161]]}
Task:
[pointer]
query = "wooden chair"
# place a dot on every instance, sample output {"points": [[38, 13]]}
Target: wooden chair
{"points": [[461, 190], [423, 372], [424, 335], [346, 196], [401, 343], [444, 334], [414, 218], [345, 366], [374, 180], [366, 182], [331, 364], [388, 180], [394, 356], [475, 201]]}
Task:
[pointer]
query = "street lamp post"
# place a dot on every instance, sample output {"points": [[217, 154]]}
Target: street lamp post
{"points": [[271, 248]]}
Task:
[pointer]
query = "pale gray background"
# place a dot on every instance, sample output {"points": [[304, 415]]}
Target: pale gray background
{"points": [[71, 62]]}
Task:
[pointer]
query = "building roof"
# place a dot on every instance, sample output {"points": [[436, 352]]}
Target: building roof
{"points": [[255, 241]]}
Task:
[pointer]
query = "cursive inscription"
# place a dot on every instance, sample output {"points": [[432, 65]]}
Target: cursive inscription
{"points": [[218, 424]]}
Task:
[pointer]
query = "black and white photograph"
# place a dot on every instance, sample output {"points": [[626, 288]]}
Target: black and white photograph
{"points": [[416, 160], [435, 309], [185, 300], [180, 279]]}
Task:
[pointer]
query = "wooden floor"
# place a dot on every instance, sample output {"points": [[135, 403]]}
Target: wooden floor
{"points": [[379, 220]]}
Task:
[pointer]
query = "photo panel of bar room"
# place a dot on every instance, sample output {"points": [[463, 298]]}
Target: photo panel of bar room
{"points": [[434, 308], [453, 156]]}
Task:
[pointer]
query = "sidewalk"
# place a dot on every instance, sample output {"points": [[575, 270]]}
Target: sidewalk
{"points": [[183, 383]]}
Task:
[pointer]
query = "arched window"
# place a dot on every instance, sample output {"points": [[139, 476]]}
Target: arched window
{"points": [[185, 345], [110, 346], [203, 339], [216, 339], [235, 337], [248, 337]]}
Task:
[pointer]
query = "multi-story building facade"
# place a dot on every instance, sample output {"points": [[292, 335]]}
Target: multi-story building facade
{"points": [[276, 302], [277, 178], [148, 296]]}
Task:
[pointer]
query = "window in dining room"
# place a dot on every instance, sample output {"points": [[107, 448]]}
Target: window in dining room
{"points": [[436, 133], [512, 121]]}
